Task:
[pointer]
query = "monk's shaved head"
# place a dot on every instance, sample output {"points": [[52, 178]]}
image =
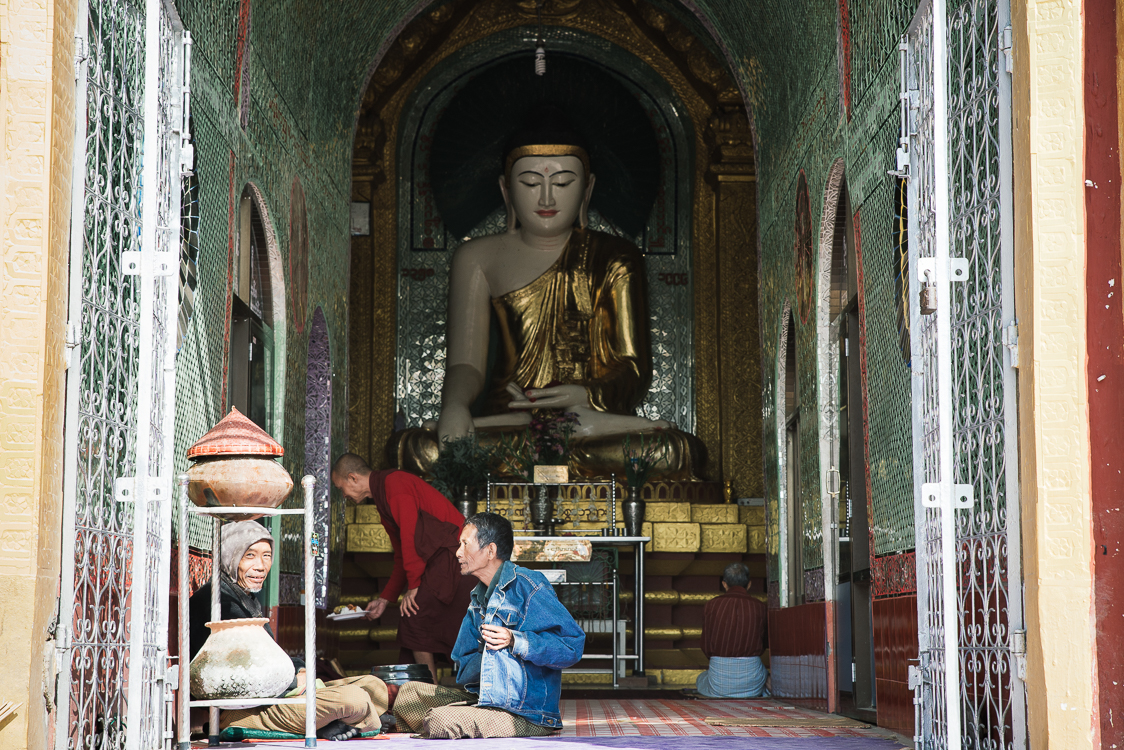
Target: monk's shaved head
{"points": [[349, 463]]}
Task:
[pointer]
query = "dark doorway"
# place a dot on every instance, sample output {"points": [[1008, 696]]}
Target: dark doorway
{"points": [[854, 634]]}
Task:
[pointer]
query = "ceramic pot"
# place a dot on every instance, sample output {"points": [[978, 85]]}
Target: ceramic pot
{"points": [[633, 511], [240, 660], [466, 503], [238, 481]]}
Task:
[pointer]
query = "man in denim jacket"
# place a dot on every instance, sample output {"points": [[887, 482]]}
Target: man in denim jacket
{"points": [[513, 644]]}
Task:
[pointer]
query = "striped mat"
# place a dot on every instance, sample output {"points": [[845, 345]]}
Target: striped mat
{"points": [[652, 724], [678, 718]]}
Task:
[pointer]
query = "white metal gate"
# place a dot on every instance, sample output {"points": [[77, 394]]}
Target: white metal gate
{"points": [[113, 624], [956, 107]]}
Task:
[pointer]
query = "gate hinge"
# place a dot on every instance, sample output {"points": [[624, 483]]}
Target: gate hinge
{"points": [[61, 634], [163, 264], [81, 55], [902, 170], [1011, 341], [914, 676], [71, 341], [125, 489], [1007, 47], [1018, 651], [962, 495]]}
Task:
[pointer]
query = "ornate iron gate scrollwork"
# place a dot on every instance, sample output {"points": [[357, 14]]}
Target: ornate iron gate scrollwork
{"points": [[957, 116], [113, 622]]}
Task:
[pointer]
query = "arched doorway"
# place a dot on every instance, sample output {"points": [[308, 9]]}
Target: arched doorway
{"points": [[257, 307], [847, 551]]}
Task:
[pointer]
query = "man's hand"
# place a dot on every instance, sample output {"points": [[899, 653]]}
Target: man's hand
{"points": [[409, 605], [376, 608], [496, 637], [300, 682]]}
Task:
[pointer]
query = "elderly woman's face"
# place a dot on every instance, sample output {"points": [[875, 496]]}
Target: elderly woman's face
{"points": [[254, 566]]}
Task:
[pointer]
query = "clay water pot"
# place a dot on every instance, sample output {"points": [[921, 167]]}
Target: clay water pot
{"points": [[243, 481], [235, 466], [240, 660]]}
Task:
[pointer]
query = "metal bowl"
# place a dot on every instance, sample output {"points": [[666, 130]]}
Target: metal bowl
{"points": [[399, 674]]}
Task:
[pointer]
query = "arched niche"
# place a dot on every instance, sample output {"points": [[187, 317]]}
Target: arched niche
{"points": [[424, 246], [789, 510], [257, 315], [718, 145]]}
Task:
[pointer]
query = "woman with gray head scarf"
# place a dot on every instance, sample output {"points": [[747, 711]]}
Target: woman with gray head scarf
{"points": [[344, 708]]}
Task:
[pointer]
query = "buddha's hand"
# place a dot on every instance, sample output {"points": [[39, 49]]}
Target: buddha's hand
{"points": [[554, 397], [454, 422]]}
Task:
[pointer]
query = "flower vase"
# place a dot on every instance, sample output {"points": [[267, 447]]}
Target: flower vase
{"points": [[633, 508], [240, 660], [466, 503]]}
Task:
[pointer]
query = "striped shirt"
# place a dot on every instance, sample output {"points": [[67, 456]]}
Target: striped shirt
{"points": [[734, 625]]}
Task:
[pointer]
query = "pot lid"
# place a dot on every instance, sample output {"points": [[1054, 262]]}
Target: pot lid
{"points": [[235, 435]]}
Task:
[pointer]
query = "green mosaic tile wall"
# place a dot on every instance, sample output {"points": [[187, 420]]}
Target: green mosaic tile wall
{"points": [[308, 64], [279, 144]]}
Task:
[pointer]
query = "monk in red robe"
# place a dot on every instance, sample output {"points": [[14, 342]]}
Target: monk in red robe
{"points": [[424, 528]]}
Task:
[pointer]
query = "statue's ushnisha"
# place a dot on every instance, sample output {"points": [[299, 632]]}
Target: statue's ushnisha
{"points": [[571, 308]]}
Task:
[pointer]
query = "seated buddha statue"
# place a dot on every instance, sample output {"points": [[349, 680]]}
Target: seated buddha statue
{"points": [[572, 317]]}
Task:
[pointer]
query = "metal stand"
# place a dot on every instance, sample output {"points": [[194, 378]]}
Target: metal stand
{"points": [[637, 543], [215, 706]]}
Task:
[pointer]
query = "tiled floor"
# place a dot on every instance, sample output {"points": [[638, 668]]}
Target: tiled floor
{"points": [[653, 724]]}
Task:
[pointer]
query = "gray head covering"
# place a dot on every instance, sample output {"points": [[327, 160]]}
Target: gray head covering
{"points": [[236, 539]]}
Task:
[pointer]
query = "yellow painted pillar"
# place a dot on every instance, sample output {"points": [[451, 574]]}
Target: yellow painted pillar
{"points": [[36, 138], [1053, 406]]}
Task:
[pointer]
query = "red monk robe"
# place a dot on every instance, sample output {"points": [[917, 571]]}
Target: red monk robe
{"points": [[424, 528]]}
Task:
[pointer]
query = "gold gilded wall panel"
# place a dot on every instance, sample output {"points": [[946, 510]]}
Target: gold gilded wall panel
{"points": [[675, 537], [752, 515], [668, 512], [723, 537], [652, 36], [740, 353], [757, 542], [367, 514], [368, 537], [714, 513]]}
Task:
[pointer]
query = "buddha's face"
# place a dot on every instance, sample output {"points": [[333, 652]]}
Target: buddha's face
{"points": [[547, 192]]}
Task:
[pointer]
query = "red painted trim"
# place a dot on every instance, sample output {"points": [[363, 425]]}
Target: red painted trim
{"points": [[1105, 372], [829, 638], [240, 48], [845, 52]]}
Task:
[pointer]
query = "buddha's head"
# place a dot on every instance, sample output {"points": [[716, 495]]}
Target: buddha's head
{"points": [[546, 182]]}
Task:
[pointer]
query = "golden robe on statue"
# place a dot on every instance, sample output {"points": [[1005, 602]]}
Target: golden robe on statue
{"points": [[584, 321]]}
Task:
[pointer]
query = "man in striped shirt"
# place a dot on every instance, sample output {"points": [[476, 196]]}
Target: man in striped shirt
{"points": [[733, 637]]}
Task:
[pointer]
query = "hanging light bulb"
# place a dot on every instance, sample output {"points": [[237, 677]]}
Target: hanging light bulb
{"points": [[540, 50]]}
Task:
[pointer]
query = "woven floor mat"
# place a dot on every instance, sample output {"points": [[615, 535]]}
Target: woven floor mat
{"points": [[740, 721]]}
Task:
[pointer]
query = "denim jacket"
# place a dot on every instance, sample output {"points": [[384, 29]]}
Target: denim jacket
{"points": [[525, 679]]}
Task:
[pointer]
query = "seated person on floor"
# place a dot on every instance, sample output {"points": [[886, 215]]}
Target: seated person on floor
{"points": [[733, 637], [344, 708], [514, 643]]}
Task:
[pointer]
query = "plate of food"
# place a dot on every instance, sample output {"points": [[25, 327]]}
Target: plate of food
{"points": [[347, 612]]}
